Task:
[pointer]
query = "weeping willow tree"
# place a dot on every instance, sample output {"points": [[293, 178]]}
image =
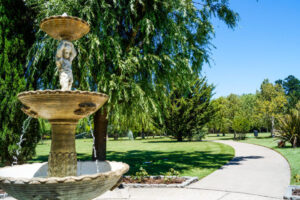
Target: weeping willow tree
{"points": [[136, 50]]}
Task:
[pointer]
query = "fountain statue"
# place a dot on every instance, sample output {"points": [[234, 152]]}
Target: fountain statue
{"points": [[62, 177], [64, 56]]}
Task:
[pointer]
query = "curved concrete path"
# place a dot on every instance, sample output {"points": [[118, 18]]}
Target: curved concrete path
{"points": [[255, 173], [255, 170]]}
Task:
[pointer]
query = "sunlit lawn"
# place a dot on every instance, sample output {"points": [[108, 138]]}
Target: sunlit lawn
{"points": [[157, 155], [264, 139]]}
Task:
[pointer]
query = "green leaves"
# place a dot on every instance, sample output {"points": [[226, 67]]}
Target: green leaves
{"points": [[135, 51], [289, 128], [16, 37], [189, 109]]}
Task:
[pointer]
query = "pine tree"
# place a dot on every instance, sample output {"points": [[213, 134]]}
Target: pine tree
{"points": [[135, 50], [188, 111]]}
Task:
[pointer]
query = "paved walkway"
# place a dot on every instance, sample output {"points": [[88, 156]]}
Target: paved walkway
{"points": [[254, 170], [256, 173]]}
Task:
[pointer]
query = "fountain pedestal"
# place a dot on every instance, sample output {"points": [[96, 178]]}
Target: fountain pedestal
{"points": [[62, 158]]}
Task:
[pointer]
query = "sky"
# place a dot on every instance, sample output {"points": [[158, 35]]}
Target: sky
{"points": [[265, 44]]}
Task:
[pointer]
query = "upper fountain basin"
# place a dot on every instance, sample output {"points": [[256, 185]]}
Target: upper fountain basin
{"points": [[65, 27], [61, 105]]}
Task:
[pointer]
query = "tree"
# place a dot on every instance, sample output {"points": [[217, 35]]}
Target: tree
{"points": [[16, 37], [244, 116], [189, 110], [248, 104], [220, 121], [291, 86], [241, 125], [271, 103], [135, 51], [233, 107]]}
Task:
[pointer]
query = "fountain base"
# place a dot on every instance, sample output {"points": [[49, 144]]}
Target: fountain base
{"points": [[30, 182]]}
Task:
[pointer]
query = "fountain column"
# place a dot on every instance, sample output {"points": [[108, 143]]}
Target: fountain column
{"points": [[63, 158]]}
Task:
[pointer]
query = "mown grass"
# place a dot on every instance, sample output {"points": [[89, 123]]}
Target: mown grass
{"points": [[157, 155], [264, 139]]}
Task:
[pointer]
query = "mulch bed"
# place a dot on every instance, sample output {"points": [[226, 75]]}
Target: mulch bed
{"points": [[2, 191], [154, 180], [296, 192]]}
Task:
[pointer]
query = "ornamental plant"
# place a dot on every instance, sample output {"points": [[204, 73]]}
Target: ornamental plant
{"points": [[289, 128]]}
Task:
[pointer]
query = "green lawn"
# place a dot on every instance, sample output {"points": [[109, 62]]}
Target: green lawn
{"points": [[264, 139], [157, 155]]}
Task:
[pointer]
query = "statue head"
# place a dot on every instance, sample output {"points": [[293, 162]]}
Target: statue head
{"points": [[66, 50]]}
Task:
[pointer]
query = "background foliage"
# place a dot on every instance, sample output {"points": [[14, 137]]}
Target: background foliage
{"points": [[16, 37]]}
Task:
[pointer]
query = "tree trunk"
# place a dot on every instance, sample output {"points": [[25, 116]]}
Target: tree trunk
{"points": [[100, 130], [116, 136], [143, 133], [272, 128], [295, 142], [234, 135], [179, 138]]}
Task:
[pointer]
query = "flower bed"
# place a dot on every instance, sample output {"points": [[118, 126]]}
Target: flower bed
{"points": [[159, 181]]}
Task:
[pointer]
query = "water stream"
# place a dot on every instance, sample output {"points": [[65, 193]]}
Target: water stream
{"points": [[25, 126], [130, 135], [94, 148]]}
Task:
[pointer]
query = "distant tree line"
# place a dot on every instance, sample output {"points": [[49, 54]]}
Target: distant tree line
{"points": [[261, 111]]}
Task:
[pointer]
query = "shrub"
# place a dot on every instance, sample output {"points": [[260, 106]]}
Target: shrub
{"points": [[169, 174], [289, 128], [141, 175], [200, 135], [241, 124]]}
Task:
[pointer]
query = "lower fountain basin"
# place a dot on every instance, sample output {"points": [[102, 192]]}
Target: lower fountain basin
{"points": [[30, 182]]}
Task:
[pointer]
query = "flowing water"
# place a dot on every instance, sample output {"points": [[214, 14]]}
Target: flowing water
{"points": [[130, 135], [25, 126], [94, 148]]}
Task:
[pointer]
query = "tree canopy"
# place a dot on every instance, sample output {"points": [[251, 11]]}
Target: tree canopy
{"points": [[241, 113], [291, 86], [136, 51], [16, 37]]}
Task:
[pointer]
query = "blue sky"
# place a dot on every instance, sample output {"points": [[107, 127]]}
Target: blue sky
{"points": [[265, 44]]}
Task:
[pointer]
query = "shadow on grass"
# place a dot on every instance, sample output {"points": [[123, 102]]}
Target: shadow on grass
{"points": [[157, 162], [171, 141]]}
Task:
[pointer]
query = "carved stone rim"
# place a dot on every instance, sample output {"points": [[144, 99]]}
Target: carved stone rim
{"points": [[67, 179], [60, 92], [63, 17]]}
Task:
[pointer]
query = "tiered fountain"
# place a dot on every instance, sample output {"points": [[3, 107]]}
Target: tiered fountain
{"points": [[62, 177]]}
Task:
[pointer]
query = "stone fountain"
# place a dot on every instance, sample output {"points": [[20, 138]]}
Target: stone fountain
{"points": [[62, 177]]}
